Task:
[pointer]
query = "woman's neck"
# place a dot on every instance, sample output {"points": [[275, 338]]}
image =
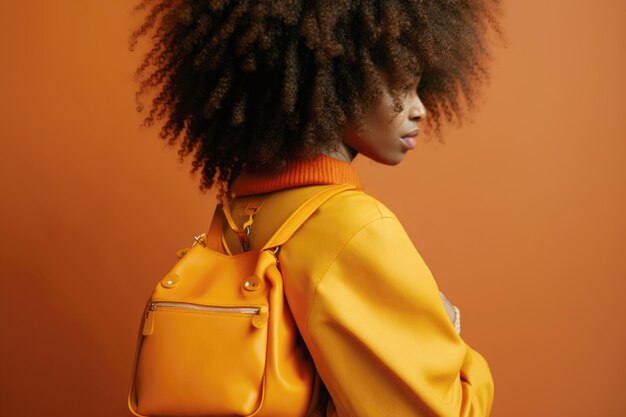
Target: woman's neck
{"points": [[344, 152]]}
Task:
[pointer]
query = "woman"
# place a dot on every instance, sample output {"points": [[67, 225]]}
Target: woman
{"points": [[278, 97]]}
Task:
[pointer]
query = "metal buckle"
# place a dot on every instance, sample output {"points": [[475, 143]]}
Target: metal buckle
{"points": [[275, 253], [243, 239], [201, 239]]}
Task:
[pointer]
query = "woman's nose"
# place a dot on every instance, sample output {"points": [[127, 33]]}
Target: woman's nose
{"points": [[418, 111]]}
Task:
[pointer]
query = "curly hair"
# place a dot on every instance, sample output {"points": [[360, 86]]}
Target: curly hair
{"points": [[255, 83]]}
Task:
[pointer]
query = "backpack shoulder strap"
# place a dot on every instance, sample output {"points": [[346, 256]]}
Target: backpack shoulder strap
{"points": [[213, 238], [302, 213]]}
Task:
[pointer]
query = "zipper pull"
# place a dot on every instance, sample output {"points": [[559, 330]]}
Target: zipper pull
{"points": [[148, 324], [260, 319]]}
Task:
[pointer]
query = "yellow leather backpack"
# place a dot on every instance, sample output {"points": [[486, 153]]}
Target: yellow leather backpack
{"points": [[217, 337]]}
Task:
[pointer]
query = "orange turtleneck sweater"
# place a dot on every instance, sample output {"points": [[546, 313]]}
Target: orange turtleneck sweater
{"points": [[322, 170]]}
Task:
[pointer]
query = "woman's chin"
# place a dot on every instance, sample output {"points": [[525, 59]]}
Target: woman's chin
{"points": [[390, 160]]}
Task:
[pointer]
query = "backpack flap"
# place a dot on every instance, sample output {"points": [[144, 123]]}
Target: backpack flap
{"points": [[203, 340]]}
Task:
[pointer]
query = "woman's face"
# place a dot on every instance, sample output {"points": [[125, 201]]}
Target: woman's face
{"points": [[390, 135]]}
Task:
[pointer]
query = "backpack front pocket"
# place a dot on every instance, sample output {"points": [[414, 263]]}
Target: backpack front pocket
{"points": [[201, 360]]}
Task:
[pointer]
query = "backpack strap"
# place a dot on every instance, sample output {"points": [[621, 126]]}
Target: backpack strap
{"points": [[253, 206], [302, 213], [213, 238], [214, 234]]}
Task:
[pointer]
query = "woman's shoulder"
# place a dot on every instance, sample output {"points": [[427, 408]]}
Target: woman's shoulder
{"points": [[337, 221], [340, 218], [353, 208]]}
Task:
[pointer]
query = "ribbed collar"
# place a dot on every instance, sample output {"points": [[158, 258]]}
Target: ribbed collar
{"points": [[322, 170]]}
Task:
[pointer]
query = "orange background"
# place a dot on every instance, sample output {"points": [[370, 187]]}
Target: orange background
{"points": [[520, 216]]}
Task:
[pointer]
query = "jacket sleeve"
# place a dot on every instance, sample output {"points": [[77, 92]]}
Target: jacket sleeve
{"points": [[380, 336]]}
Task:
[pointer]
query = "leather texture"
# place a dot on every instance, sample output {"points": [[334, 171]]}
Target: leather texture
{"points": [[217, 337], [369, 311]]}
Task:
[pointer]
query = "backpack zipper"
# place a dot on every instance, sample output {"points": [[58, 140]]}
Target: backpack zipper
{"points": [[259, 314], [178, 304]]}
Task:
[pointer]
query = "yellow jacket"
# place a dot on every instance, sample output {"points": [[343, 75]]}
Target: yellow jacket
{"points": [[369, 311]]}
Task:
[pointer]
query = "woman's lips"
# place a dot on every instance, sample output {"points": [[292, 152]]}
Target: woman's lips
{"points": [[410, 139]]}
